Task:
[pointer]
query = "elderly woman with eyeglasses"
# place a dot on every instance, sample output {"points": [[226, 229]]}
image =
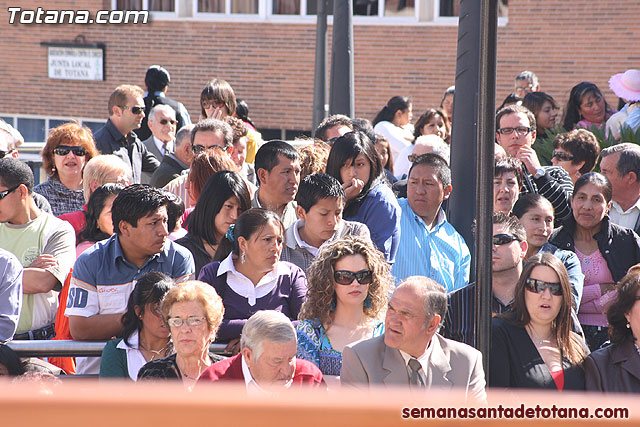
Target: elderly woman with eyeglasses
{"points": [[532, 345], [193, 312], [69, 147], [146, 336], [347, 308]]}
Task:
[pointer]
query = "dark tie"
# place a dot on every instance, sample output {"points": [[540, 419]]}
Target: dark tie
{"points": [[415, 380]]}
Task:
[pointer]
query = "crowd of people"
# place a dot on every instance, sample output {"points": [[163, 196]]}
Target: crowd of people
{"points": [[326, 261]]}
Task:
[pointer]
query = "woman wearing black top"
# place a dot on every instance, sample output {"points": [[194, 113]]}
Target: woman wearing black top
{"points": [[532, 345]]}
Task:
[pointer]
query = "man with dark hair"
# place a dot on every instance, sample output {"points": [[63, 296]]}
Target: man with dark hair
{"points": [[117, 136], [429, 245], [411, 353], [210, 133], [620, 163], [321, 201], [174, 164], [278, 171], [333, 127], [44, 245], [515, 132], [104, 275], [157, 81], [509, 250]]}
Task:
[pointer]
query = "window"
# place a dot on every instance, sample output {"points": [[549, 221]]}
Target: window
{"points": [[34, 129], [228, 7], [159, 8], [451, 8], [378, 8]]}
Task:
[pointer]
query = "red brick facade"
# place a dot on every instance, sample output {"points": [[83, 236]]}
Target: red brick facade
{"points": [[270, 64]]}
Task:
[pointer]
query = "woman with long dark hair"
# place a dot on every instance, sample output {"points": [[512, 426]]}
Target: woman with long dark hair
{"points": [[586, 107], [354, 162], [98, 216], [392, 122]]}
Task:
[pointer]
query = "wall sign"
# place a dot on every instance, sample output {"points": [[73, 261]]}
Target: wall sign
{"points": [[75, 61]]}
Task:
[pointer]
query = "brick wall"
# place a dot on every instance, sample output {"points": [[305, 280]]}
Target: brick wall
{"points": [[271, 64]]}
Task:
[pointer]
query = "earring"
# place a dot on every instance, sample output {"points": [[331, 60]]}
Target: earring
{"points": [[367, 302], [628, 325], [243, 257], [333, 304]]}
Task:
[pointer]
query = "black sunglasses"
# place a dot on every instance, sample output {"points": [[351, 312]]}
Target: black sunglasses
{"points": [[5, 193], [135, 109], [4, 153], [503, 239], [63, 150], [539, 286], [562, 156], [345, 277], [165, 121]]}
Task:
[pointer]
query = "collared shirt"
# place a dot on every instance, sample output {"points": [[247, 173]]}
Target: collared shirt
{"points": [[301, 243], [135, 358], [623, 218], [422, 359], [163, 147], [459, 322], [288, 216], [440, 254], [243, 286], [252, 385], [61, 198]]}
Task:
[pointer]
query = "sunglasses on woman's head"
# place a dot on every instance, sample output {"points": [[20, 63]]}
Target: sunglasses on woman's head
{"points": [[63, 150], [539, 286], [345, 277]]}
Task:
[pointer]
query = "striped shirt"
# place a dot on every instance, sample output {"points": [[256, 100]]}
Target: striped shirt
{"points": [[555, 185]]}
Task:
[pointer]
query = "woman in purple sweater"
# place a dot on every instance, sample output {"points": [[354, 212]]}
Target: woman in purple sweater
{"points": [[249, 276]]}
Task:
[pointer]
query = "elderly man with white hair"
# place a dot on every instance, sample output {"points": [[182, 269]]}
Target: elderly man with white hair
{"points": [[162, 124], [267, 360], [424, 144]]}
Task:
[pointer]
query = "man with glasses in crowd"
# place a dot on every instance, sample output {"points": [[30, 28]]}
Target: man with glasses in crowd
{"points": [[516, 132], [526, 82], [126, 111], [212, 133], [162, 123]]}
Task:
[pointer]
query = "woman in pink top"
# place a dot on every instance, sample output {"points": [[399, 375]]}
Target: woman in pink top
{"points": [[586, 107], [605, 250]]}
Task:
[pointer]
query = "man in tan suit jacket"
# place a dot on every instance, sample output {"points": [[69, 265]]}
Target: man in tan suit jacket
{"points": [[411, 353]]}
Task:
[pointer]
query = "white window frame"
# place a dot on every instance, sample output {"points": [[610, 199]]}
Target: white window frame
{"points": [[453, 20], [47, 128], [165, 16], [227, 15]]}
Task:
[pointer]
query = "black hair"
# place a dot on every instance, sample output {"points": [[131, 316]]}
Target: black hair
{"points": [[156, 78], [13, 172], [175, 209], [512, 224], [511, 99], [332, 121], [149, 289], [364, 126], [389, 111], [316, 187], [134, 202], [91, 232], [596, 179], [267, 155], [508, 164], [345, 149], [572, 109], [219, 188], [515, 109], [438, 163], [10, 359], [528, 201], [242, 111], [250, 222]]}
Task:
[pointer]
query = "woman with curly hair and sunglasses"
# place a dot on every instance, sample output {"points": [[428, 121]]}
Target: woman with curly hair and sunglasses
{"points": [[348, 308], [532, 345]]}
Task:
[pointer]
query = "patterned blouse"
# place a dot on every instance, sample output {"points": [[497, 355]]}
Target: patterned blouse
{"points": [[62, 199], [167, 368], [314, 345]]}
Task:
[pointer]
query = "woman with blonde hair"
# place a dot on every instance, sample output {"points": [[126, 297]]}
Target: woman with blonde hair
{"points": [[347, 308]]}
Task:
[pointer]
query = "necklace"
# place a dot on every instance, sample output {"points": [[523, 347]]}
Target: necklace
{"points": [[535, 338], [155, 353]]}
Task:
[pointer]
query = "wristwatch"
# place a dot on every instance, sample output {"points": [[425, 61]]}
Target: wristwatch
{"points": [[539, 172]]}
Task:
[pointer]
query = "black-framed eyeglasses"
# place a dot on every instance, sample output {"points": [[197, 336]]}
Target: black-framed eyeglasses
{"points": [[4, 153], [177, 322], [503, 239], [5, 193], [200, 148], [135, 109], [562, 156], [165, 121], [345, 277], [539, 286], [520, 130], [212, 104], [63, 150]]}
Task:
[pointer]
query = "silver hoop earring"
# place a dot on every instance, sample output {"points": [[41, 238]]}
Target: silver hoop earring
{"points": [[243, 257]]}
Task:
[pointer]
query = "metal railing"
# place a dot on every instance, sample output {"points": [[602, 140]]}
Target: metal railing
{"points": [[70, 348]]}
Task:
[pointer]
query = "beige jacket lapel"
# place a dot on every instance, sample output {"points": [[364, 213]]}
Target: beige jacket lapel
{"points": [[393, 367], [439, 366]]}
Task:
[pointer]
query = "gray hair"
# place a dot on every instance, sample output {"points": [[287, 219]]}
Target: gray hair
{"points": [[435, 144], [629, 160], [164, 108], [266, 325], [98, 168], [184, 135], [213, 125], [435, 296], [530, 76]]}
